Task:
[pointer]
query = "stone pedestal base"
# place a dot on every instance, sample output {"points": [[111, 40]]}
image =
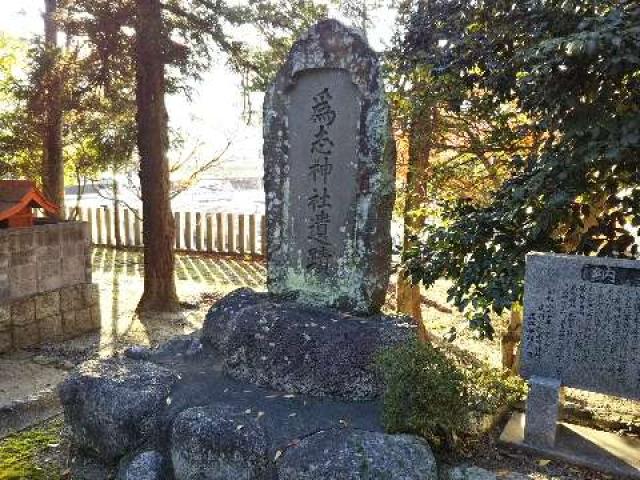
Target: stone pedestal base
{"points": [[603, 451], [543, 408]]}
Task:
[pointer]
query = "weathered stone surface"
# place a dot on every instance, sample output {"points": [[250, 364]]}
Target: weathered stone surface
{"points": [[329, 173], [83, 321], [113, 406], [543, 410], [25, 336], [86, 467], [218, 324], [47, 304], [6, 342], [23, 312], [5, 317], [301, 349], [149, 465], [581, 323], [217, 442], [69, 324], [43, 258], [49, 272], [469, 473], [91, 294], [358, 455], [51, 328], [71, 298]]}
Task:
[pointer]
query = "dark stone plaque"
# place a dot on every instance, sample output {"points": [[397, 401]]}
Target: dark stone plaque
{"points": [[323, 116]]}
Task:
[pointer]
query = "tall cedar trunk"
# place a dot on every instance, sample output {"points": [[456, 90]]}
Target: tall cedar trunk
{"points": [[158, 228], [52, 161], [409, 298]]}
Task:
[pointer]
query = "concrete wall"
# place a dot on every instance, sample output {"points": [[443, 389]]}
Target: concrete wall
{"points": [[46, 293], [49, 317], [43, 258]]}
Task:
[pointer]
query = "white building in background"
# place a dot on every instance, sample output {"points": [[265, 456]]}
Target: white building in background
{"points": [[209, 195]]}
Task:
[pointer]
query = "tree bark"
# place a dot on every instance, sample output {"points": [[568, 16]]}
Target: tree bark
{"points": [[409, 297], [510, 341], [158, 228], [52, 161]]}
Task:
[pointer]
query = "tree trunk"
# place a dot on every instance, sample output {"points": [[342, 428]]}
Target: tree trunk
{"points": [[510, 341], [52, 161], [409, 297], [158, 228]]}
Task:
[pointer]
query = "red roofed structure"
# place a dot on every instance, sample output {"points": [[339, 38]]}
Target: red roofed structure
{"points": [[17, 199]]}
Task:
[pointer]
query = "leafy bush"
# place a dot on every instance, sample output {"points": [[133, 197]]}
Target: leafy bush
{"points": [[439, 394]]}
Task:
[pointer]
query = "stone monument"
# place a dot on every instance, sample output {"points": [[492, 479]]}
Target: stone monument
{"points": [[279, 385], [329, 173], [581, 330]]}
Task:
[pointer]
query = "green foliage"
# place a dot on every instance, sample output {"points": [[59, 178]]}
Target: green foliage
{"points": [[19, 454], [97, 68], [436, 394], [425, 393], [573, 68]]}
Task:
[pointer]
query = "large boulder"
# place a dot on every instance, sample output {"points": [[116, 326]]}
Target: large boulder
{"points": [[218, 323], [219, 442], [296, 348], [358, 455], [113, 406], [149, 465]]}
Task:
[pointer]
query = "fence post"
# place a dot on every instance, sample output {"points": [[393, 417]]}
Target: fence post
{"points": [[252, 234], [188, 232], [117, 224], [209, 232], [176, 217], [231, 239], [107, 221], [219, 233], [241, 234], [127, 228], [99, 225], [90, 222], [137, 228], [199, 231]]}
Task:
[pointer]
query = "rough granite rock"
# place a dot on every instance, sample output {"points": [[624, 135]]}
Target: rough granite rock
{"points": [[149, 465], [86, 467], [218, 322], [358, 455], [113, 406], [469, 473], [477, 473], [296, 348], [218, 442], [362, 189]]}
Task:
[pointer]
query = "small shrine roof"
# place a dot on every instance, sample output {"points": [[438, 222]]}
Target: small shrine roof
{"points": [[16, 195]]}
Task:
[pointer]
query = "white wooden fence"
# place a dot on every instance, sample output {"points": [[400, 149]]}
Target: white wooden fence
{"points": [[228, 233]]}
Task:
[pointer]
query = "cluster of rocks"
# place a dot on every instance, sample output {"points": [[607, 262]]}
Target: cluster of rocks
{"points": [[264, 395]]}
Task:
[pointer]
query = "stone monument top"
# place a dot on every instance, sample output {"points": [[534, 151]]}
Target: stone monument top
{"points": [[329, 173]]}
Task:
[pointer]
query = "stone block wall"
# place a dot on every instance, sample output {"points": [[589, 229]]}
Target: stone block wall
{"points": [[49, 317], [46, 293], [43, 258]]}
